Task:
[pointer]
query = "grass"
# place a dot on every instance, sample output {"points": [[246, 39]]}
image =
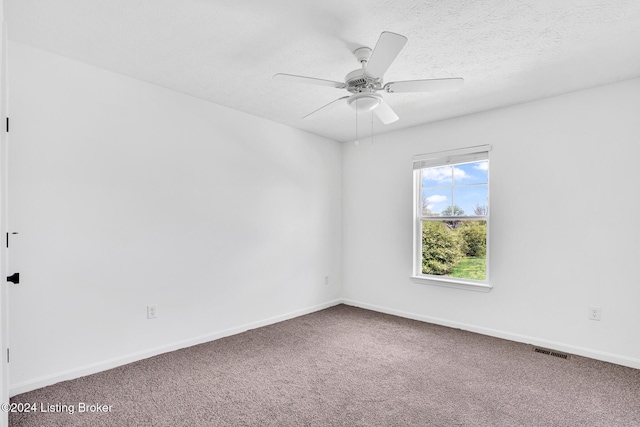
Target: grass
{"points": [[470, 268]]}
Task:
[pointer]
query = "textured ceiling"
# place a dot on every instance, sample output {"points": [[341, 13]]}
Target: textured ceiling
{"points": [[226, 51]]}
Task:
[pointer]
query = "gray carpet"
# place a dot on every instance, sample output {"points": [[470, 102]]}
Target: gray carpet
{"points": [[346, 366]]}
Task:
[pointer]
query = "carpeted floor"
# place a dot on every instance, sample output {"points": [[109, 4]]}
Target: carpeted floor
{"points": [[346, 366]]}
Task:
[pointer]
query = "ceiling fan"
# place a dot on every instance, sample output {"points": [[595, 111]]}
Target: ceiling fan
{"points": [[366, 82]]}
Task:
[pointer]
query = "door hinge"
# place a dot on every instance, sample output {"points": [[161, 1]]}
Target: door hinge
{"points": [[8, 237], [7, 354], [7, 124]]}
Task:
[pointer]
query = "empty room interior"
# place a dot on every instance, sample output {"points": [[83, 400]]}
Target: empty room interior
{"points": [[207, 223]]}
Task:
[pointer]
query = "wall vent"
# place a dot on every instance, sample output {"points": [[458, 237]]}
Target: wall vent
{"points": [[552, 353]]}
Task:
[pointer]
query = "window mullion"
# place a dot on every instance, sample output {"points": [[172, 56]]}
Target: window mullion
{"points": [[454, 218]]}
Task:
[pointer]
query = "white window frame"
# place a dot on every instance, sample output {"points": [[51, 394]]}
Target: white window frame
{"points": [[443, 158]]}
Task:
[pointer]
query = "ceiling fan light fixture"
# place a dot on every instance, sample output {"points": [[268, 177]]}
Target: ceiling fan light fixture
{"points": [[363, 102]]}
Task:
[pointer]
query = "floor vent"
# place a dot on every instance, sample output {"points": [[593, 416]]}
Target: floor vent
{"points": [[552, 353]]}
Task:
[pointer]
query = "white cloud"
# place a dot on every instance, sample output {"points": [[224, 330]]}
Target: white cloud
{"points": [[437, 174], [459, 174], [443, 174], [483, 166], [436, 198]]}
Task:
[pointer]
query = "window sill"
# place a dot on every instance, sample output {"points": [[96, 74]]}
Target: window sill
{"points": [[452, 283]]}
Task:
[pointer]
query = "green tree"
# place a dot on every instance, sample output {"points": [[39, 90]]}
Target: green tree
{"points": [[452, 211], [474, 237], [441, 248]]}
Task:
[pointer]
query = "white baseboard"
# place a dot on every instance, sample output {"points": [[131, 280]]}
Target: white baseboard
{"points": [[104, 365], [580, 351]]}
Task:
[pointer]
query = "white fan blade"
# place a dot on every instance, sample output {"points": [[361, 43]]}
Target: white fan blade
{"points": [[325, 108], [385, 113], [428, 85], [387, 49], [312, 80]]}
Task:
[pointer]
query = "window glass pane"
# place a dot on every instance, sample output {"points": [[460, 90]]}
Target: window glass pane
{"points": [[437, 177], [435, 200], [471, 173], [454, 249], [471, 200]]}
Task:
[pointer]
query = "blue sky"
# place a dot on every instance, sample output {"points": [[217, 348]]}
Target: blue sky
{"points": [[464, 185]]}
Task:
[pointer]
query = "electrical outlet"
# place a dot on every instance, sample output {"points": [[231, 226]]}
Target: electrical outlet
{"points": [[594, 313], [152, 311]]}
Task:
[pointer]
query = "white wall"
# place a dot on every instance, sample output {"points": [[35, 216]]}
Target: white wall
{"points": [[127, 194], [565, 199]]}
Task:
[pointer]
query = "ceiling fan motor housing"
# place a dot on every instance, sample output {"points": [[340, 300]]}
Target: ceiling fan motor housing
{"points": [[358, 81]]}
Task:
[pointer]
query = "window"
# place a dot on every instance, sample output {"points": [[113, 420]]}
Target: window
{"points": [[451, 213]]}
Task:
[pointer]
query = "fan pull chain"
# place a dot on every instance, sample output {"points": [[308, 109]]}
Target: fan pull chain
{"points": [[357, 142], [372, 128]]}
